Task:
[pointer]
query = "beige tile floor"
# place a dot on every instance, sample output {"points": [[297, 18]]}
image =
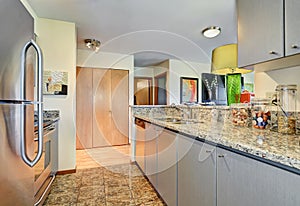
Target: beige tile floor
{"points": [[106, 177], [105, 156]]}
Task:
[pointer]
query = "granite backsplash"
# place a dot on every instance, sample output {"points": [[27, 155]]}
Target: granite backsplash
{"points": [[220, 114]]}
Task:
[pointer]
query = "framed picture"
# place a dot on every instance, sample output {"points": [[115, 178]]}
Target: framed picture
{"points": [[55, 82], [188, 90]]}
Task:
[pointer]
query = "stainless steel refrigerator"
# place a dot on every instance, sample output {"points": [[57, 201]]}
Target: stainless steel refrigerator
{"points": [[20, 95]]}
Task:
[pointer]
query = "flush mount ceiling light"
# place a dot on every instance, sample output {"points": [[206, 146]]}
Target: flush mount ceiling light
{"points": [[211, 32], [92, 44]]}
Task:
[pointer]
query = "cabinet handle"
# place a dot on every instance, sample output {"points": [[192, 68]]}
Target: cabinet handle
{"points": [[221, 156], [208, 151], [294, 46], [273, 52]]}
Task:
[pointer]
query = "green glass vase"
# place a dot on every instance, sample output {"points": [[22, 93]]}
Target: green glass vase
{"points": [[234, 87]]}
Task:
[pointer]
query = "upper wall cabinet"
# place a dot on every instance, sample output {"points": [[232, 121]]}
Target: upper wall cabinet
{"points": [[260, 31], [292, 27], [267, 30]]}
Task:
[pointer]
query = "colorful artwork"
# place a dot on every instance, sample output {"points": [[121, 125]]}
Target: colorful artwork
{"points": [[55, 83], [188, 90]]}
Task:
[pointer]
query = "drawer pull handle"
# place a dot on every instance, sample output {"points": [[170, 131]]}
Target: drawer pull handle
{"points": [[221, 156], [273, 52], [295, 46]]}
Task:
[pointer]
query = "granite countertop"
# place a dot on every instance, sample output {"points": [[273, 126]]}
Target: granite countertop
{"points": [[50, 116], [265, 144]]}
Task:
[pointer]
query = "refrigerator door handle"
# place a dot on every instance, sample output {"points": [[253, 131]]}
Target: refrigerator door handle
{"points": [[39, 70], [24, 156]]}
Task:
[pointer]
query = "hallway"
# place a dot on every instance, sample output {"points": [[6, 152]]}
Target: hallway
{"points": [[105, 177]]}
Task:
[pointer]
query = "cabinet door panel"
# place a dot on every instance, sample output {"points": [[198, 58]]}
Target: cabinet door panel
{"points": [[247, 182], [151, 153], [84, 102], [140, 147], [167, 166], [196, 173], [260, 31], [119, 107], [292, 26], [101, 107], [151, 161]]}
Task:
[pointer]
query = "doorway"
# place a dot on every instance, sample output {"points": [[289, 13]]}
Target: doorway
{"points": [[160, 89], [143, 91]]}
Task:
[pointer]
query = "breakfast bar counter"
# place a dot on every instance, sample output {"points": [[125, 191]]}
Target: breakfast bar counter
{"points": [[264, 145]]}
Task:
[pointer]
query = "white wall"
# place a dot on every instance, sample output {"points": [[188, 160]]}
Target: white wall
{"points": [[161, 68], [179, 69], [249, 77], [175, 69], [89, 58], [58, 42], [267, 81], [143, 72], [29, 9]]}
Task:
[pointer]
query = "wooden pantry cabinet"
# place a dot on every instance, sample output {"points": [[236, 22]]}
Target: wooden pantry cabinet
{"points": [[101, 107]]}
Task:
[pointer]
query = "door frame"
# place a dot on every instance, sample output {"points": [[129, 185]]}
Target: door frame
{"points": [[162, 75], [150, 81]]}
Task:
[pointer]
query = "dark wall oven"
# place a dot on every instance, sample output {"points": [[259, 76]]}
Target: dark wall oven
{"points": [[46, 168]]}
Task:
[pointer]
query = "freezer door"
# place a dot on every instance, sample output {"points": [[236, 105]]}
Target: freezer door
{"points": [[17, 29], [16, 177]]}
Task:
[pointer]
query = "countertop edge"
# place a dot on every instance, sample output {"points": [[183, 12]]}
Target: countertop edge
{"points": [[234, 150]]}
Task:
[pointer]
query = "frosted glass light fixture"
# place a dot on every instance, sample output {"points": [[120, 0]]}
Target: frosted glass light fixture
{"points": [[92, 44], [211, 31]]}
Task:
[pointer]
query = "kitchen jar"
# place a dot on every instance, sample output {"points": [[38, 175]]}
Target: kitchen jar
{"points": [[286, 108], [261, 113], [240, 114]]}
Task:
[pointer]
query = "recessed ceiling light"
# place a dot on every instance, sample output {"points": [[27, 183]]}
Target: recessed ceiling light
{"points": [[211, 31]]}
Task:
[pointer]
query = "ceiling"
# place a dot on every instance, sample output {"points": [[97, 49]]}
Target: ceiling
{"points": [[151, 30]]}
